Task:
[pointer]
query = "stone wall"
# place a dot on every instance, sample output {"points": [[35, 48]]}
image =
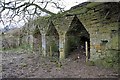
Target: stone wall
{"points": [[100, 21]]}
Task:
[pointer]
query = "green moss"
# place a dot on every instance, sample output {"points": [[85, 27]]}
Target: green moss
{"points": [[111, 60], [84, 9], [90, 63], [42, 20], [23, 46], [79, 11], [93, 4], [54, 47], [114, 42]]}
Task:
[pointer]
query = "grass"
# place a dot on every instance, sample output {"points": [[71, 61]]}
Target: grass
{"points": [[109, 61], [90, 63], [23, 46], [56, 61]]}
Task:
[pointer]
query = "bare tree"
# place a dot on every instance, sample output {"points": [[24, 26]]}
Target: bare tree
{"points": [[19, 10]]}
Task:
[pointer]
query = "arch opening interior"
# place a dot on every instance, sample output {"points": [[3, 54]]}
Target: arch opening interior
{"points": [[76, 37]]}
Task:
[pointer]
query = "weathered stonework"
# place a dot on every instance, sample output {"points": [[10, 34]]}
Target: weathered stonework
{"points": [[99, 23]]}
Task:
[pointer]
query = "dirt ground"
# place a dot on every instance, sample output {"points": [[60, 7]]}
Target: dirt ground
{"points": [[33, 65]]}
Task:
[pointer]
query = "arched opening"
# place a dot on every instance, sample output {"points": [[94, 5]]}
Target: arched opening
{"points": [[76, 37], [37, 43], [52, 41]]}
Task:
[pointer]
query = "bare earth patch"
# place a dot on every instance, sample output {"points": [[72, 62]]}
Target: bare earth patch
{"points": [[33, 65]]}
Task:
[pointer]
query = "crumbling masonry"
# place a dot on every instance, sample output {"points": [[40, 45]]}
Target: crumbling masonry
{"points": [[94, 23]]}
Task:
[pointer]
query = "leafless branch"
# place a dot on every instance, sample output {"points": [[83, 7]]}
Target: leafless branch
{"points": [[25, 9]]}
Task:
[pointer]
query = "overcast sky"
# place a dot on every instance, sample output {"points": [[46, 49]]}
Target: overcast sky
{"points": [[67, 3]]}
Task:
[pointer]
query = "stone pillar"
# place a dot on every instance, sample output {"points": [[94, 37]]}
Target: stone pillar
{"points": [[62, 46], [31, 41], [43, 45]]}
